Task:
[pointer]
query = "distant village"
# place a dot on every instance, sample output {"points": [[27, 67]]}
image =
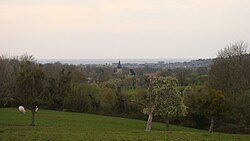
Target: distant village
{"points": [[159, 65]]}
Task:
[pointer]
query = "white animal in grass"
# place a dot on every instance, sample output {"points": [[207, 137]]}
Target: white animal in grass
{"points": [[36, 110], [21, 109]]}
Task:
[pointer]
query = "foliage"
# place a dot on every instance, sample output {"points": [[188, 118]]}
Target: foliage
{"points": [[77, 99], [195, 100], [215, 102], [162, 99], [7, 81], [204, 105], [108, 100], [29, 84], [96, 89], [230, 74], [230, 71], [170, 100], [182, 76], [57, 87], [129, 82]]}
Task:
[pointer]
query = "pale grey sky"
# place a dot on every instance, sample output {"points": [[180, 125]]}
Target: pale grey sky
{"points": [[122, 28]]}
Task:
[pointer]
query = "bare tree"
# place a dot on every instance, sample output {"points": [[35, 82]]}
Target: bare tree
{"points": [[233, 49]]}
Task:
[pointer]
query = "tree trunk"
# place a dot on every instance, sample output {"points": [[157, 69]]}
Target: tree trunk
{"points": [[167, 124], [32, 121], [149, 122], [211, 125]]}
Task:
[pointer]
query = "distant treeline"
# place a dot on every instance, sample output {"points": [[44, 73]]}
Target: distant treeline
{"points": [[219, 93]]}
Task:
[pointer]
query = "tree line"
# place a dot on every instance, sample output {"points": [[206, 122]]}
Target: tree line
{"points": [[214, 97]]}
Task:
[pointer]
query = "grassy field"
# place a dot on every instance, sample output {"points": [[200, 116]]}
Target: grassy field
{"points": [[54, 125]]}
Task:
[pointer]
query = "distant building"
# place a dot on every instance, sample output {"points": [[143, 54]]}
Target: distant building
{"points": [[119, 67], [132, 72]]}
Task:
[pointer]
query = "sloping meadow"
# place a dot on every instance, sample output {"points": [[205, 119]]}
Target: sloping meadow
{"points": [[55, 125]]}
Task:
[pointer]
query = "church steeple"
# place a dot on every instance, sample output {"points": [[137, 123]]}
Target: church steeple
{"points": [[119, 66]]}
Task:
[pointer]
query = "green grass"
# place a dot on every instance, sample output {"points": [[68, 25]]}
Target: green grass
{"points": [[54, 125]]}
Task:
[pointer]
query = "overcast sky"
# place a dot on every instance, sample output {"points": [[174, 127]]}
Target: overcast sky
{"points": [[122, 28]]}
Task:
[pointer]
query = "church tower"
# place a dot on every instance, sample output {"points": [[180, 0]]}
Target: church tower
{"points": [[119, 67]]}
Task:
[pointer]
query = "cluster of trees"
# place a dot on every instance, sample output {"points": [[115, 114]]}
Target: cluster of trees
{"points": [[87, 89], [230, 75], [224, 99], [204, 98], [65, 87]]}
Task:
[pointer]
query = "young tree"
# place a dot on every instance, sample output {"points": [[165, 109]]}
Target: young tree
{"points": [[163, 99], [29, 84], [149, 103], [171, 102], [214, 105]]}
